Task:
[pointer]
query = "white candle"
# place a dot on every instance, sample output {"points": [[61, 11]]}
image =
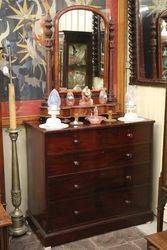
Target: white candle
{"points": [[12, 107]]}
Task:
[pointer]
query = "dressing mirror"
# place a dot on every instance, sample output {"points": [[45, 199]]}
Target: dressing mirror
{"points": [[81, 48], [79, 55], [144, 42]]}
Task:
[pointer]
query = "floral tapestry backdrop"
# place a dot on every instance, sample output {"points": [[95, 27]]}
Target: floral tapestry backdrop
{"points": [[20, 26]]}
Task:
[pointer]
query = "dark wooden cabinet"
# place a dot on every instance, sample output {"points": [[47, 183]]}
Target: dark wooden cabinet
{"points": [[88, 180]]}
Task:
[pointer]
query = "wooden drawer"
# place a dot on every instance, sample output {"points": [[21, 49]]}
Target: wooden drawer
{"points": [[85, 184], [96, 139], [72, 212], [73, 163]]}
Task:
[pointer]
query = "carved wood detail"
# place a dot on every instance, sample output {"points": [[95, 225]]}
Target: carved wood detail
{"points": [[96, 42], [132, 40], [153, 46], [56, 40], [48, 42], [111, 97], [136, 57]]}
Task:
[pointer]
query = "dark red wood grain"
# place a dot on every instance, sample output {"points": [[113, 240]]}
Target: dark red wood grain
{"points": [[87, 176]]}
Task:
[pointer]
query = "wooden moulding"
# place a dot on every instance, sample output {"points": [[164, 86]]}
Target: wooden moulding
{"points": [[68, 112], [136, 57]]}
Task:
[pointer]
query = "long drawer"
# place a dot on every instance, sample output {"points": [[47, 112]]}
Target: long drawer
{"points": [[96, 139], [80, 162], [86, 184], [75, 212]]}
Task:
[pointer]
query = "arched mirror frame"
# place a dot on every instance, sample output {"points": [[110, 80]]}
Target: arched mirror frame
{"points": [[59, 14], [134, 44], [51, 43]]}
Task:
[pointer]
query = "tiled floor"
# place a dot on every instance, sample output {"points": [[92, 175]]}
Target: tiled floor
{"points": [[125, 239], [150, 227]]}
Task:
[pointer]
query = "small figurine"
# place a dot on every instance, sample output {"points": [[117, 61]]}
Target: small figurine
{"points": [[86, 97], [70, 98], [95, 118]]}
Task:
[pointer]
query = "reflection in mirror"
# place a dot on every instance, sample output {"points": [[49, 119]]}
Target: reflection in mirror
{"points": [[163, 45], [147, 53], [81, 45], [145, 36]]}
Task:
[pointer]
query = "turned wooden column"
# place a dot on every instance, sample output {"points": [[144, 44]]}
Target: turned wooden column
{"points": [[111, 97], [132, 40], [153, 47], [48, 42]]}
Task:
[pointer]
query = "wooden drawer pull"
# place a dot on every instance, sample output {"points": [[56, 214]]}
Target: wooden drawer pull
{"points": [[76, 163], [129, 155], [128, 177], [76, 141], [128, 202], [130, 135], [76, 186], [76, 212]]}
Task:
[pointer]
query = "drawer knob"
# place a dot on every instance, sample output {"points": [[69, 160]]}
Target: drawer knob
{"points": [[76, 141], [76, 163], [129, 155], [128, 177], [130, 135], [128, 202], [76, 186], [76, 212]]}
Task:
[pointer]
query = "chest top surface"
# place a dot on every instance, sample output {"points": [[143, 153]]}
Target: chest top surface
{"points": [[86, 126]]}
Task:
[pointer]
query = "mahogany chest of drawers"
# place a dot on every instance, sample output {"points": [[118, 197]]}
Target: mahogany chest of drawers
{"points": [[88, 180]]}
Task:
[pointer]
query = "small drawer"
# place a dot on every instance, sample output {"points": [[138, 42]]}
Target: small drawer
{"points": [[125, 201], [96, 139], [118, 156], [122, 177], [69, 213], [71, 186], [80, 211], [130, 134], [74, 141]]}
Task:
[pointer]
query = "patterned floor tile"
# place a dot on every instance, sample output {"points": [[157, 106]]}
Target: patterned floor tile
{"points": [[80, 245], [117, 237], [141, 243]]}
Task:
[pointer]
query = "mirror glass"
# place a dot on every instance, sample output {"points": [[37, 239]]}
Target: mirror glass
{"points": [[145, 13], [151, 56], [81, 50], [163, 47]]}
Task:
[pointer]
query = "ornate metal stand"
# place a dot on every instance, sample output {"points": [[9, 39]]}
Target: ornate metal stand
{"points": [[18, 227]]}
